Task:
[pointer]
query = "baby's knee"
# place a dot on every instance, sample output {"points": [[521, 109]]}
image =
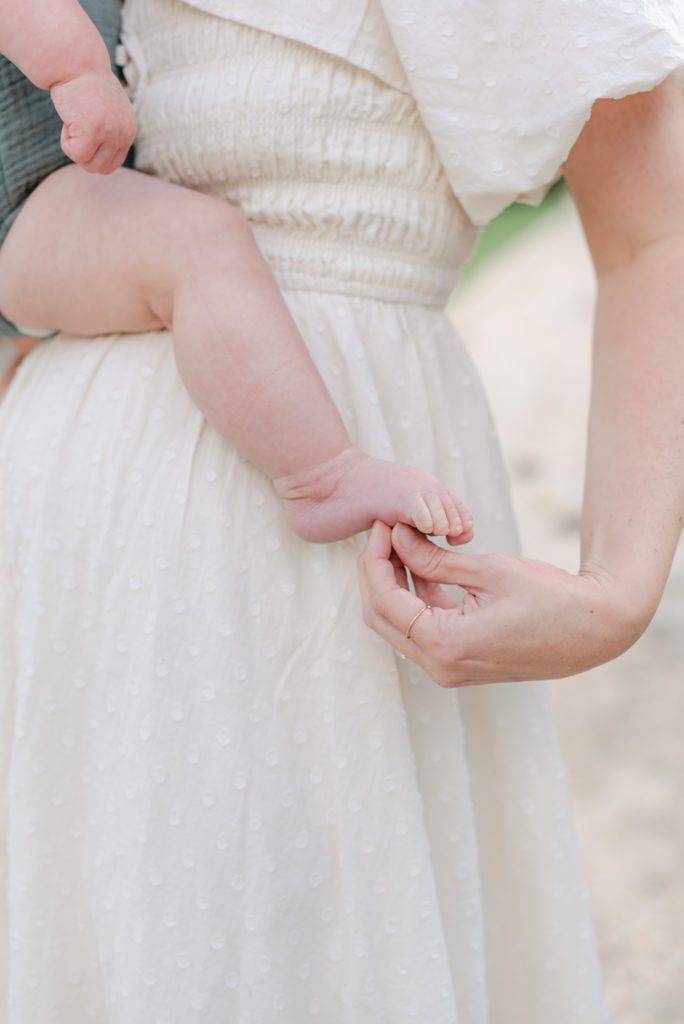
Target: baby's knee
{"points": [[210, 225], [212, 239]]}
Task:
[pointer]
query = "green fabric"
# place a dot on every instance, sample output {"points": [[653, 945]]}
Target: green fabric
{"points": [[30, 129], [7, 329]]}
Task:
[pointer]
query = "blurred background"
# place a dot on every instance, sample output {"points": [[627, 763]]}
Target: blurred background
{"points": [[525, 312]]}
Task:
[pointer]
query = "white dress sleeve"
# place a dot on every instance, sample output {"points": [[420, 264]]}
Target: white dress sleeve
{"points": [[505, 86]]}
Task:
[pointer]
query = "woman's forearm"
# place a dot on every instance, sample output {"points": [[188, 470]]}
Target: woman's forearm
{"points": [[626, 174], [527, 620], [634, 488]]}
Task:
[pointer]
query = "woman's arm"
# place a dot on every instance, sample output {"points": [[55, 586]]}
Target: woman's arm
{"points": [[524, 619], [626, 174]]}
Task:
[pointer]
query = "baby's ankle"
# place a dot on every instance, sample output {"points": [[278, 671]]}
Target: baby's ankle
{"points": [[318, 482]]}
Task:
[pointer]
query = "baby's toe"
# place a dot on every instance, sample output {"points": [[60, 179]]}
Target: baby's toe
{"points": [[421, 515], [441, 515], [456, 522]]}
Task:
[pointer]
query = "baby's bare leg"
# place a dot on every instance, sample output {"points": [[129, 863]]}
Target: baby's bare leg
{"points": [[92, 254], [77, 259]]}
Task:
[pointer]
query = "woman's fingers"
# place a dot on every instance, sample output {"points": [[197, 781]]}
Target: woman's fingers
{"points": [[430, 562], [388, 604], [520, 619], [400, 574], [431, 566], [431, 593], [393, 611], [379, 543]]}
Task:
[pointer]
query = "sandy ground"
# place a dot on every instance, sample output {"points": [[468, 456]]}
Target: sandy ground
{"points": [[526, 317]]}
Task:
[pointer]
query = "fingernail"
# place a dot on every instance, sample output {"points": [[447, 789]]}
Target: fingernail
{"points": [[405, 536]]}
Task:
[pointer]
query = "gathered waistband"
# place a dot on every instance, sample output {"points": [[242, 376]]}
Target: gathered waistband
{"points": [[323, 265]]}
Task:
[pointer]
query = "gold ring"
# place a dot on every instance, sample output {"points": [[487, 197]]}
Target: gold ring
{"points": [[425, 608]]}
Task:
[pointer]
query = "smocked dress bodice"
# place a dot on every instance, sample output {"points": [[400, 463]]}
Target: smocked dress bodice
{"points": [[332, 166]]}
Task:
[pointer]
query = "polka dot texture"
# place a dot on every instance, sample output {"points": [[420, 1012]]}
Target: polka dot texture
{"points": [[504, 86], [362, 207], [225, 799]]}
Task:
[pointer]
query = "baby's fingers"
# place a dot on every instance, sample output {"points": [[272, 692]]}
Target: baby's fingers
{"points": [[106, 159], [93, 155], [99, 123], [87, 152]]}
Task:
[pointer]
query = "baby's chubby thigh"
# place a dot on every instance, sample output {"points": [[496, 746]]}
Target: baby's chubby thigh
{"points": [[94, 254], [63, 265]]}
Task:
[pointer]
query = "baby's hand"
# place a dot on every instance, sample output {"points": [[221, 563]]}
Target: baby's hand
{"points": [[99, 123]]}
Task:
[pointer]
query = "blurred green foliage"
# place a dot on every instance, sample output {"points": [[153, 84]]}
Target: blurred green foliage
{"points": [[514, 218]]}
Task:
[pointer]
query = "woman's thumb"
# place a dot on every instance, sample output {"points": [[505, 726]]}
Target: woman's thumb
{"points": [[433, 563]]}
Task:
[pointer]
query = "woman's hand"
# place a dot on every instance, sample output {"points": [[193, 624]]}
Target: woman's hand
{"points": [[522, 619], [519, 619]]}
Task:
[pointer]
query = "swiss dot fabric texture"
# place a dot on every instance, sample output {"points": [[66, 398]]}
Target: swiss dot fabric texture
{"points": [[504, 86], [224, 798]]}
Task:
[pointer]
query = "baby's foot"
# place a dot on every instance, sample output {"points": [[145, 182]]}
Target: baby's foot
{"points": [[349, 492]]}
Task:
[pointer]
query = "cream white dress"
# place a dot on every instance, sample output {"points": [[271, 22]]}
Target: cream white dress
{"points": [[225, 799]]}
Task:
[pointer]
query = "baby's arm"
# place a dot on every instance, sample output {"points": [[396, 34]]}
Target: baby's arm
{"points": [[57, 47]]}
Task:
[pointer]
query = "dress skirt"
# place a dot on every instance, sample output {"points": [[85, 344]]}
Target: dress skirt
{"points": [[226, 799]]}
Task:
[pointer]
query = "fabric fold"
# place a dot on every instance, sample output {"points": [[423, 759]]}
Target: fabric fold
{"points": [[505, 88]]}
